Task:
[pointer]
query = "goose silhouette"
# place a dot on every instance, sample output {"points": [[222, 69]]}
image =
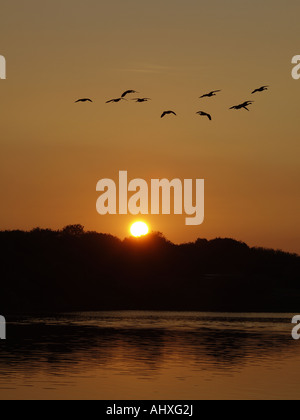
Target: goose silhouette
{"points": [[261, 89], [167, 113], [204, 114], [210, 94], [83, 100], [244, 105]]}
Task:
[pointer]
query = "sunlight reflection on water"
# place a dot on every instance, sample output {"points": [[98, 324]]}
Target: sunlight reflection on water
{"points": [[150, 355]]}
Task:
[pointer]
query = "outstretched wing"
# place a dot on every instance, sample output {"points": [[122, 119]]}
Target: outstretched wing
{"points": [[247, 103], [261, 89], [83, 100], [168, 113], [127, 93], [204, 114]]}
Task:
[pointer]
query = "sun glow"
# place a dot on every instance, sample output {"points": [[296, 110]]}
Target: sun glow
{"points": [[139, 229]]}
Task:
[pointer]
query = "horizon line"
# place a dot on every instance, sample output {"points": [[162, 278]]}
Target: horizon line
{"points": [[81, 231]]}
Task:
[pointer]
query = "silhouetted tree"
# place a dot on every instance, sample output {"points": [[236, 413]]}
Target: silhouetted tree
{"points": [[69, 269], [73, 230]]}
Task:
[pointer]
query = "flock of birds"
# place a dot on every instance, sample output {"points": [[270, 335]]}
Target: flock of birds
{"points": [[243, 105]]}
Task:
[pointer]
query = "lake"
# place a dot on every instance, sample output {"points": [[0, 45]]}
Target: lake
{"points": [[150, 356]]}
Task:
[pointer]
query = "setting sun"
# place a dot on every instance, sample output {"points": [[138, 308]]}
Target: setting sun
{"points": [[139, 229]]}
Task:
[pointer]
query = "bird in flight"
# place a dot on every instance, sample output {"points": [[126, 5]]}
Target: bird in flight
{"points": [[84, 100], [204, 114], [141, 99], [210, 94], [244, 105], [167, 113], [261, 89], [127, 93], [116, 100]]}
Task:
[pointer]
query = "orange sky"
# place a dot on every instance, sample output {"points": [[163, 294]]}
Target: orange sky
{"points": [[53, 152]]}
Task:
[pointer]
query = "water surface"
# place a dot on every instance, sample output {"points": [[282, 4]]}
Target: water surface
{"points": [[150, 355]]}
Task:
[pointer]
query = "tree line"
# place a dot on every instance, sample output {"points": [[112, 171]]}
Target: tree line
{"points": [[70, 269]]}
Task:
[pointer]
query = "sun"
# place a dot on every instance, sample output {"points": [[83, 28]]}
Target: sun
{"points": [[139, 229]]}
